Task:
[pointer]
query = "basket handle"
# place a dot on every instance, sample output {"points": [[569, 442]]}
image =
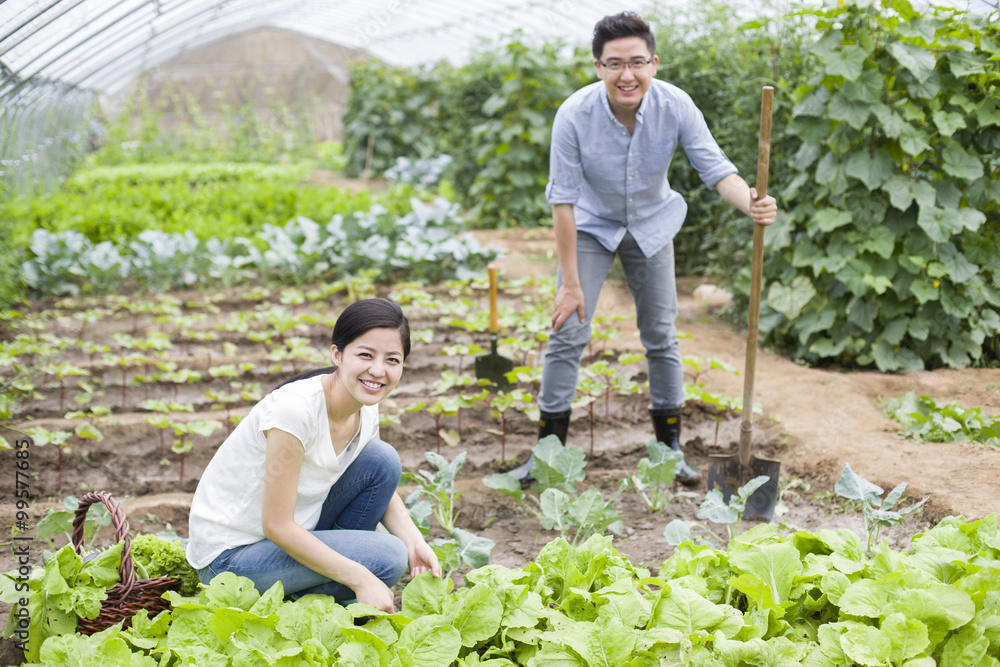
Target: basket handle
{"points": [[127, 567]]}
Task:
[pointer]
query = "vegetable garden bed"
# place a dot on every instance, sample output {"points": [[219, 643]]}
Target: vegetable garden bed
{"points": [[220, 351]]}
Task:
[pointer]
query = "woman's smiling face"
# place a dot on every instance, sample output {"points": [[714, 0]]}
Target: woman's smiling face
{"points": [[370, 366]]}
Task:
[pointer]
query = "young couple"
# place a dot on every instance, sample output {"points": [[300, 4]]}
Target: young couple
{"points": [[295, 493]]}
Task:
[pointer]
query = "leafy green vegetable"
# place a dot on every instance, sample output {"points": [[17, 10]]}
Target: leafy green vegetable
{"points": [[878, 513], [64, 589], [426, 243], [462, 549], [60, 521], [158, 557], [556, 470], [923, 419], [656, 473], [803, 599]]}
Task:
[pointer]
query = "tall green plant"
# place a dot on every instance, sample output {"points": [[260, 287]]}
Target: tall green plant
{"points": [[510, 131], [391, 112], [890, 251], [722, 61], [493, 116]]}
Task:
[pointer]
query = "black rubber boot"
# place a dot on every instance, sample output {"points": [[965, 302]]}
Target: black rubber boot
{"points": [[667, 426], [549, 423]]}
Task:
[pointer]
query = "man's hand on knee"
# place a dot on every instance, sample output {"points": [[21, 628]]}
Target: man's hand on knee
{"points": [[568, 301]]}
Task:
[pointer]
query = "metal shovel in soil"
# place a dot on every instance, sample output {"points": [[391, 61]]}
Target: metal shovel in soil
{"points": [[732, 471], [492, 365]]}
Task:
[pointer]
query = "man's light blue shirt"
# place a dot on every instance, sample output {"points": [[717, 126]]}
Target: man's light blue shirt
{"points": [[617, 181]]}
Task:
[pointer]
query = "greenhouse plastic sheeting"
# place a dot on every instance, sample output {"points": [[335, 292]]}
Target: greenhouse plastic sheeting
{"points": [[102, 44]]}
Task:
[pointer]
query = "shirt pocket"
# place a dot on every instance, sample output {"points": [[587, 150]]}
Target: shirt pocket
{"points": [[658, 154]]}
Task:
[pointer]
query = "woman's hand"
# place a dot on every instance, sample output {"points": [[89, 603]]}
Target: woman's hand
{"points": [[422, 558], [376, 594]]}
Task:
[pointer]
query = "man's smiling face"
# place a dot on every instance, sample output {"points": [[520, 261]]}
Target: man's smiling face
{"points": [[626, 88]]}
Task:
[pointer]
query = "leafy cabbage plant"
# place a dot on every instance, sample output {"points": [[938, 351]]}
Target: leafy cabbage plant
{"points": [[768, 599], [428, 243], [923, 419], [558, 506]]}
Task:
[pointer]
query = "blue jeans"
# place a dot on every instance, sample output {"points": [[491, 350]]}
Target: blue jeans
{"points": [[354, 506], [654, 290]]}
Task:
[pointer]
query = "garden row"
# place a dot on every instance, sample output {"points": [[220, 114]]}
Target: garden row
{"points": [[806, 598], [181, 366]]}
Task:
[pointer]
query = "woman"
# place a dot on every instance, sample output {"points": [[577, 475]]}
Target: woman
{"points": [[295, 493]]}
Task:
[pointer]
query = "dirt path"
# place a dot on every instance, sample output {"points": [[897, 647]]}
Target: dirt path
{"points": [[827, 417]]}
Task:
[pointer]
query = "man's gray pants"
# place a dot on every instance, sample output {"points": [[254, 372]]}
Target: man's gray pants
{"points": [[654, 290]]}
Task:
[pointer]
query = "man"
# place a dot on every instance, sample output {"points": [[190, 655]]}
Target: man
{"points": [[612, 142]]}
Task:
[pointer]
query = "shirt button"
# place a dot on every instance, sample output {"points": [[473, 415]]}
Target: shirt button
{"points": [[630, 199], [630, 154], [630, 178]]}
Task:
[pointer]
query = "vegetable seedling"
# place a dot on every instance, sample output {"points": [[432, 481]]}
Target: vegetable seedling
{"points": [[461, 351], [655, 474], [603, 330], [58, 438], [716, 510], [124, 362], [444, 406], [878, 513], [183, 444], [556, 470], [557, 506], [588, 391], [501, 403], [438, 488], [61, 371]]}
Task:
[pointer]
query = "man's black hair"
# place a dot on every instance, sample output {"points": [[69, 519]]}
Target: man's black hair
{"points": [[626, 24]]}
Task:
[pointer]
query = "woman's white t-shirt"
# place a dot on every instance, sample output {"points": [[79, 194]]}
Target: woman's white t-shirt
{"points": [[226, 509]]}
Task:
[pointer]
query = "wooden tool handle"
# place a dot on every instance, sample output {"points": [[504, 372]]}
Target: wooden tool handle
{"points": [[764, 142], [756, 276], [494, 317]]}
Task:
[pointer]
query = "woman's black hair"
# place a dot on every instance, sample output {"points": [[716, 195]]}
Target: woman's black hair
{"points": [[358, 319], [625, 24]]}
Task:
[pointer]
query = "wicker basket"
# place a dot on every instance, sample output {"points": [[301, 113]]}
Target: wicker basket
{"points": [[130, 596]]}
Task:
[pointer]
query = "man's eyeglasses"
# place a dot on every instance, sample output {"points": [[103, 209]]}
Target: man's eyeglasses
{"points": [[620, 65]]}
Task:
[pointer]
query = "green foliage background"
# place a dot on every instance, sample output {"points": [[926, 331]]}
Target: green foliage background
{"points": [[493, 116], [890, 251], [723, 63], [883, 159], [211, 199]]}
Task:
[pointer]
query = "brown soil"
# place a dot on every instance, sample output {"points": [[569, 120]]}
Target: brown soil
{"points": [[813, 421], [826, 418]]}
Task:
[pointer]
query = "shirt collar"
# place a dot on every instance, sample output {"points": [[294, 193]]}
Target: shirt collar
{"points": [[605, 103], [643, 104]]}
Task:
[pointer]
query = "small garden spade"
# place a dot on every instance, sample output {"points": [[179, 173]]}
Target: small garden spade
{"points": [[728, 473], [492, 365]]}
